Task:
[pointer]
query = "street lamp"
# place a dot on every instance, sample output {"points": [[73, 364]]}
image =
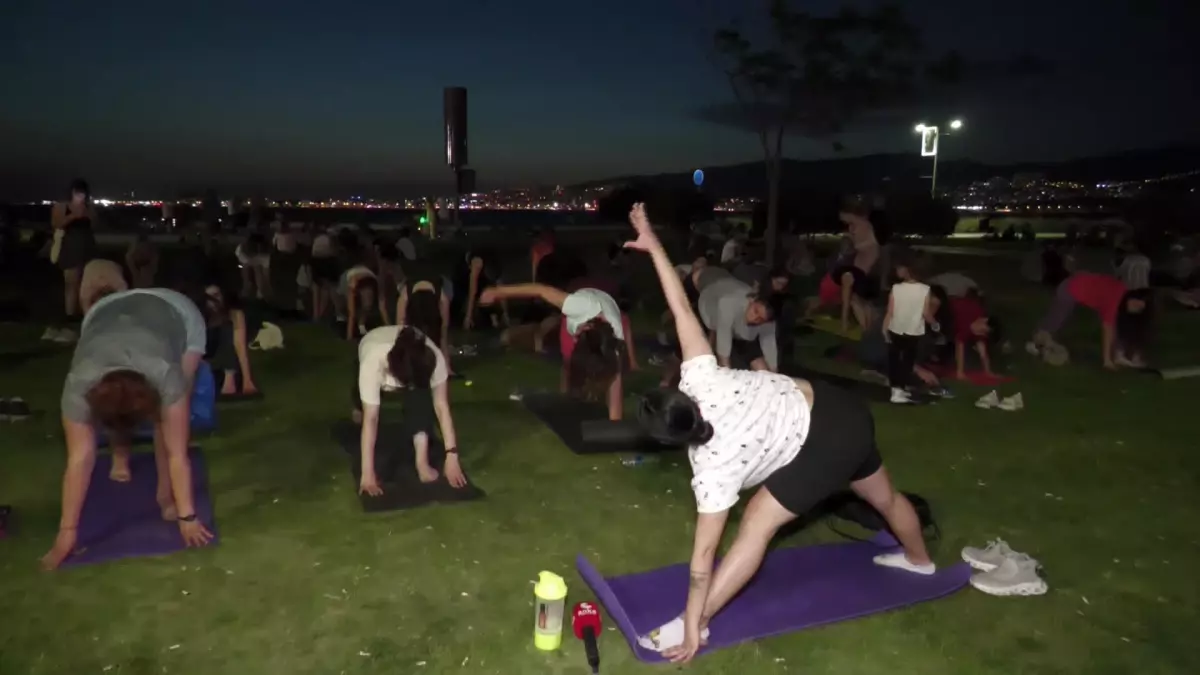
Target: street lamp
{"points": [[929, 147]]}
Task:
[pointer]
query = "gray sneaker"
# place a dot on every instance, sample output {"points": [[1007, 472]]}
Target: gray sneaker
{"points": [[65, 336], [1017, 575], [989, 557]]}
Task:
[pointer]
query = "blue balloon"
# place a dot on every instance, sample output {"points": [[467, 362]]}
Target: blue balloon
{"points": [[698, 177]]}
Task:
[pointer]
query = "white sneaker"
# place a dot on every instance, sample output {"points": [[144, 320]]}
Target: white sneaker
{"points": [[1017, 575], [988, 558], [51, 334], [65, 336], [900, 396], [1012, 403], [988, 400]]}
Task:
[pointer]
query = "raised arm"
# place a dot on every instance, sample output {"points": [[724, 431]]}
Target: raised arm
{"points": [[402, 306], [542, 292], [692, 341]]}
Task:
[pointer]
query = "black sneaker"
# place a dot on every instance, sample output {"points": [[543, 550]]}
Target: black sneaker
{"points": [[4, 410], [17, 409]]}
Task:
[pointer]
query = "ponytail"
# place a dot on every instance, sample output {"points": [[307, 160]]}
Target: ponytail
{"points": [[410, 360]]}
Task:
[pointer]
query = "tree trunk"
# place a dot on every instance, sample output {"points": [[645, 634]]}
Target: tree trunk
{"points": [[774, 178]]}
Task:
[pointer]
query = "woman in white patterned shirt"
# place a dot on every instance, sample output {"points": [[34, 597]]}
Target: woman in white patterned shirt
{"points": [[801, 441]]}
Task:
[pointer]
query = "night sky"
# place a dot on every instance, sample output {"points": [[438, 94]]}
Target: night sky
{"points": [[305, 96]]}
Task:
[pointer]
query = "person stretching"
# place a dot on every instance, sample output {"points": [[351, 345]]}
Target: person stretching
{"points": [[740, 322], [402, 357], [480, 270], [591, 337], [1125, 317], [974, 327], [358, 292], [136, 359], [854, 279], [424, 302], [801, 441], [909, 308], [230, 342]]}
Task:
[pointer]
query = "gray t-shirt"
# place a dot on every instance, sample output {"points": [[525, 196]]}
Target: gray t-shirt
{"points": [[722, 307], [145, 330]]}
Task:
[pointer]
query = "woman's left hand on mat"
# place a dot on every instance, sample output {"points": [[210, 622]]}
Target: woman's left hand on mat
{"points": [[454, 472], [684, 652], [194, 533]]}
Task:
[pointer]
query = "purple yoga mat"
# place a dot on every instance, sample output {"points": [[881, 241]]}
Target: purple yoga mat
{"points": [[122, 520], [796, 588]]}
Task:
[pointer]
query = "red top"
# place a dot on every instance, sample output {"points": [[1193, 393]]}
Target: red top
{"points": [[1100, 292], [966, 311]]}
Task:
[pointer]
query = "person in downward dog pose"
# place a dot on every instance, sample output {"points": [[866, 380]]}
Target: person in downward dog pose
{"points": [[801, 440], [1125, 318], [361, 302], [592, 338], [424, 302], [741, 323], [402, 357], [135, 362], [230, 340]]}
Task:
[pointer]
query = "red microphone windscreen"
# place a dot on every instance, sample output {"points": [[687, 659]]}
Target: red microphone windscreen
{"points": [[585, 615]]}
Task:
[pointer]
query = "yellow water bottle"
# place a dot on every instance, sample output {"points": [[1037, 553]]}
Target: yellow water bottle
{"points": [[550, 599]]}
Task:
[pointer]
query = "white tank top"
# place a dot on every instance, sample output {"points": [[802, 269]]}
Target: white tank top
{"points": [[908, 308]]}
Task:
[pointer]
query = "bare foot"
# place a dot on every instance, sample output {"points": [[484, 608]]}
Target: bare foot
{"points": [[168, 511], [228, 391], [120, 470], [428, 474]]}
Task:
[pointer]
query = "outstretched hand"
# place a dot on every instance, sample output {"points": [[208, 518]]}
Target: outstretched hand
{"points": [[646, 238]]}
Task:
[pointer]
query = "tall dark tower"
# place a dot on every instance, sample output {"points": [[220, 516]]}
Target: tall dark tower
{"points": [[454, 119]]}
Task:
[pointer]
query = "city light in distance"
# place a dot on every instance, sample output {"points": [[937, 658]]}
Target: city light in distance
{"points": [[956, 124]]}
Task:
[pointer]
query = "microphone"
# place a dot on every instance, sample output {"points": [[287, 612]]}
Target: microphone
{"points": [[585, 621]]}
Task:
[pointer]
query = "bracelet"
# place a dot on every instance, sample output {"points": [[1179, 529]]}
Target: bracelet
{"points": [[187, 519], [452, 450]]}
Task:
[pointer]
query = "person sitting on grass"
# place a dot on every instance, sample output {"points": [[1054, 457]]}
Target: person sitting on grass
{"points": [[361, 302], [135, 362], [403, 357], [741, 323], [229, 342], [1125, 317], [424, 302], [801, 440], [592, 338]]}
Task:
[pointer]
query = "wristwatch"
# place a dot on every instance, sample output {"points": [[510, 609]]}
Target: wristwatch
{"points": [[452, 451], [187, 519]]}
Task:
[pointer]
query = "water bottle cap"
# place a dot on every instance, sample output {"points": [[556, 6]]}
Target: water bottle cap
{"points": [[550, 586]]}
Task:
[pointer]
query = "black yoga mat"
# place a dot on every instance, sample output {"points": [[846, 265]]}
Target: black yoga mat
{"points": [[402, 489], [565, 416]]}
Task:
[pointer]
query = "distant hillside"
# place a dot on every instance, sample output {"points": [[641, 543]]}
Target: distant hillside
{"points": [[860, 174]]}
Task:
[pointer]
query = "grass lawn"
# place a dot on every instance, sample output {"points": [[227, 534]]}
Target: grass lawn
{"points": [[1097, 478]]}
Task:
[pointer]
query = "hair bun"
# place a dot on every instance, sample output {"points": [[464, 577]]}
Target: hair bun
{"points": [[703, 433]]}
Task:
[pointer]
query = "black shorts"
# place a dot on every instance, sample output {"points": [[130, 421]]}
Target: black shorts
{"points": [[840, 449], [864, 286], [744, 352]]}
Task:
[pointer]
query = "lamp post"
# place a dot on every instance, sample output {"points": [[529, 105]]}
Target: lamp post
{"points": [[929, 147]]}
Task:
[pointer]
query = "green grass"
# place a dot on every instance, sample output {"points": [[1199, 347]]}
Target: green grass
{"points": [[1097, 478]]}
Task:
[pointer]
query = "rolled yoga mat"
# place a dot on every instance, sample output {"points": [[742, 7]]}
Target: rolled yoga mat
{"points": [[796, 588], [122, 520]]}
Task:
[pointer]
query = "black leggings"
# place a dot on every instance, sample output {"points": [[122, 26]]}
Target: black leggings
{"points": [[902, 358]]}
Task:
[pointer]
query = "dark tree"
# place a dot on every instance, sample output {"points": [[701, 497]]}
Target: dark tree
{"points": [[676, 207], [816, 75]]}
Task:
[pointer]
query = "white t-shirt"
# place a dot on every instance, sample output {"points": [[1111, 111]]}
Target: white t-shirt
{"points": [[760, 421], [730, 250], [908, 308], [351, 276], [373, 374], [586, 304], [322, 246]]}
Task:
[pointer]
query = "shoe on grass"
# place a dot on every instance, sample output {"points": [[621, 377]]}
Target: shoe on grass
{"points": [[1032, 349], [988, 400], [51, 334], [1012, 403], [989, 557], [900, 396], [1016, 575], [65, 336]]}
